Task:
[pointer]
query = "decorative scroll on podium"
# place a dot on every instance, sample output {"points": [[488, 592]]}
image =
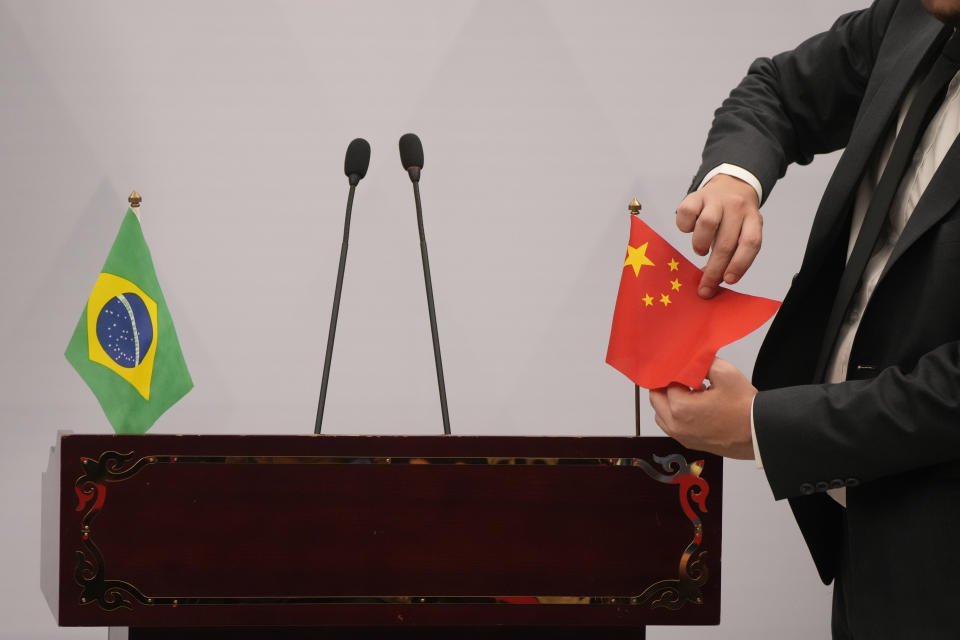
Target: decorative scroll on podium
{"points": [[419, 531]]}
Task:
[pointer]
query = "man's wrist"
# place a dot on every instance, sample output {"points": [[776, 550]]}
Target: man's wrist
{"points": [[736, 172]]}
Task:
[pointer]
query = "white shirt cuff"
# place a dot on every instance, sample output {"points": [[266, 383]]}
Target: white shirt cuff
{"points": [[753, 435], [736, 172]]}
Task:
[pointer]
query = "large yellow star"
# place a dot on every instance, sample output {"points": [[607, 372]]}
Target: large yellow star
{"points": [[648, 300], [674, 265], [665, 299], [637, 257], [676, 284]]}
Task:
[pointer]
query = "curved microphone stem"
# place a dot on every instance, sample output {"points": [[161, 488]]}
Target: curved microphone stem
{"points": [[336, 311], [428, 282]]}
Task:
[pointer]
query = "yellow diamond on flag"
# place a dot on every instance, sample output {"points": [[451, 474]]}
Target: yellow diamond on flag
{"points": [[122, 330]]}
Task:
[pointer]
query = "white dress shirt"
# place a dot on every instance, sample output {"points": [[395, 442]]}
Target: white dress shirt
{"points": [[936, 141]]}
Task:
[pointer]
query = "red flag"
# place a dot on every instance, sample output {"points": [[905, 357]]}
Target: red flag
{"points": [[663, 331]]}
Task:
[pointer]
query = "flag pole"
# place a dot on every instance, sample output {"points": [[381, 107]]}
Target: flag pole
{"points": [[134, 200], [634, 208], [636, 404]]}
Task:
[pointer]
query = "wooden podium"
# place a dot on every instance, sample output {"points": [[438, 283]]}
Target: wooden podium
{"points": [[334, 536]]}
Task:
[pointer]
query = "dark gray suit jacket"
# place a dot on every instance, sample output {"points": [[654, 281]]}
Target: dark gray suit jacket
{"points": [[891, 433]]}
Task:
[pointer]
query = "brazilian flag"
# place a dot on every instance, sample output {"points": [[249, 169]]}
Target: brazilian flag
{"points": [[124, 346]]}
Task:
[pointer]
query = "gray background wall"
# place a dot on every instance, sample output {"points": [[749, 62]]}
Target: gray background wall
{"points": [[540, 121]]}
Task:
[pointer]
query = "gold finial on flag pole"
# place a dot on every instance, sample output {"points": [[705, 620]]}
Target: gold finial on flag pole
{"points": [[134, 199], [634, 207]]}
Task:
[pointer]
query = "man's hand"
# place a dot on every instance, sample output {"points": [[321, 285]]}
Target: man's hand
{"points": [[716, 419], [724, 214]]}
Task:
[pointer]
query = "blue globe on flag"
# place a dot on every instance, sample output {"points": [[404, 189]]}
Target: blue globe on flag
{"points": [[125, 330]]}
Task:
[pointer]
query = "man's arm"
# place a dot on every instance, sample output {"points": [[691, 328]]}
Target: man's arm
{"points": [[816, 433], [799, 103], [787, 109]]}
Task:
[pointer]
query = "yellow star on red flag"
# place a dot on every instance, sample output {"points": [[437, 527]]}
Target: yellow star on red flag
{"points": [[637, 257]]}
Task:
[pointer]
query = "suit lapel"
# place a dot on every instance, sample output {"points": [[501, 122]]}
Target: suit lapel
{"points": [[896, 66], [937, 200]]}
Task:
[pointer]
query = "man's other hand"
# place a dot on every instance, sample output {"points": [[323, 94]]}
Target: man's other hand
{"points": [[716, 419], [723, 215]]}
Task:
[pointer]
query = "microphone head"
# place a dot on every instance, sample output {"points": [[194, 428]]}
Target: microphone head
{"points": [[358, 159], [411, 151]]}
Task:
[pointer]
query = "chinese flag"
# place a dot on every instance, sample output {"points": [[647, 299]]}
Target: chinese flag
{"points": [[663, 331]]}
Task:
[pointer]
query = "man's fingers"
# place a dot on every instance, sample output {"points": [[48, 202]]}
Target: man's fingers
{"points": [[689, 211], [706, 228], [724, 218], [662, 413], [719, 368], [679, 397], [724, 245], [751, 237], [660, 423], [676, 391], [724, 376], [659, 402]]}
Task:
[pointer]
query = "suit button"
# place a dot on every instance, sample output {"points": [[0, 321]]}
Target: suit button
{"points": [[822, 486], [806, 488], [836, 483], [852, 482]]}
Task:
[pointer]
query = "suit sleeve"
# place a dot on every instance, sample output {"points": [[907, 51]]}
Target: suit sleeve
{"points": [[859, 431], [798, 103]]}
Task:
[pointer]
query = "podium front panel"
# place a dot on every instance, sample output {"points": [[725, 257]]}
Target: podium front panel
{"points": [[385, 530]]}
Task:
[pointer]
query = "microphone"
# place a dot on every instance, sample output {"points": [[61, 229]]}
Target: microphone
{"points": [[356, 161], [355, 166], [411, 156]]}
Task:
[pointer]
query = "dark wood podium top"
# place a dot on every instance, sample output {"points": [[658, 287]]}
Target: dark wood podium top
{"points": [[404, 531]]}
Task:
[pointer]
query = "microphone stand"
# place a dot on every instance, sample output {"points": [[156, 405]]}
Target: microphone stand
{"points": [[428, 283], [354, 180]]}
